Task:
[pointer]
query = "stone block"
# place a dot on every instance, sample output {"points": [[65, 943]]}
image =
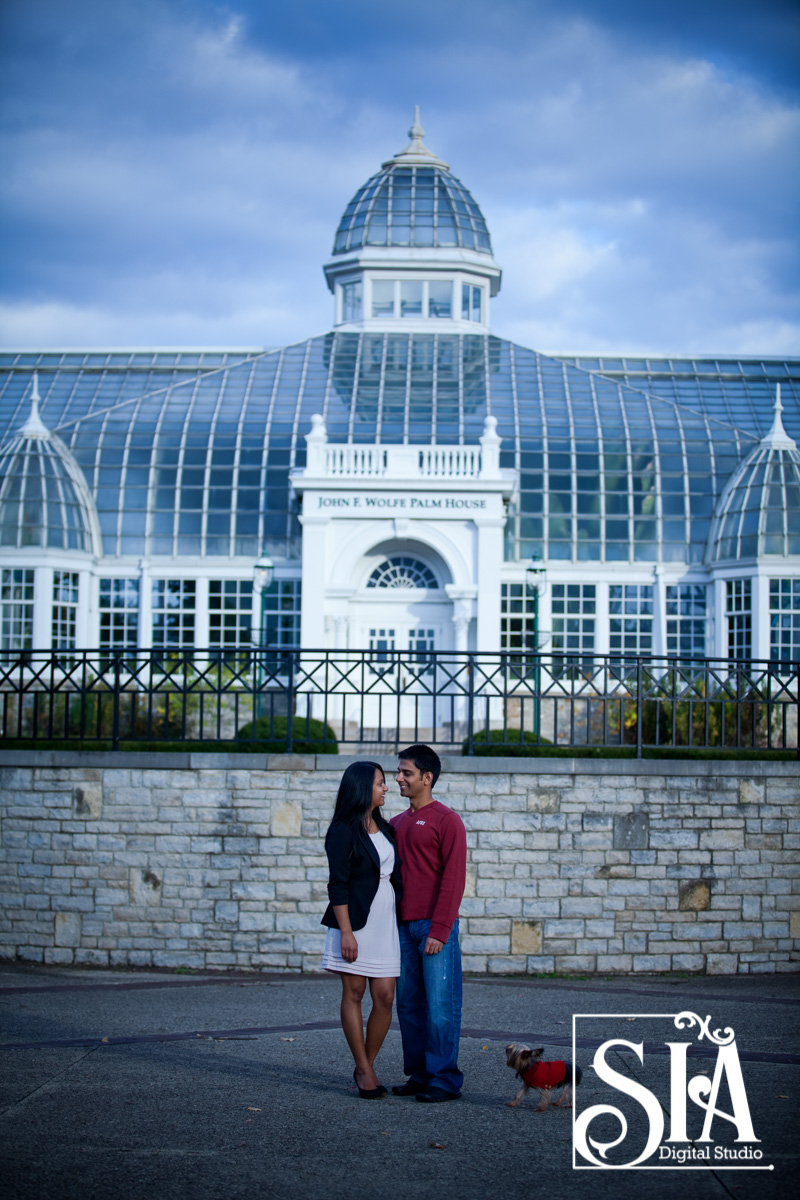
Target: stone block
{"points": [[526, 937], [694, 895], [226, 912], [751, 791], [794, 925], [722, 964], [506, 965], [287, 819], [58, 956], [631, 831], [722, 839], [87, 801], [144, 886], [68, 929], [651, 962], [544, 800]]}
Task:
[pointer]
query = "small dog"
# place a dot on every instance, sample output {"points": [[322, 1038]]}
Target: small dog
{"points": [[543, 1076]]}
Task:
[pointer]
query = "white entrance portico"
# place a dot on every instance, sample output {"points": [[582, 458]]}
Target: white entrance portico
{"points": [[402, 545]]}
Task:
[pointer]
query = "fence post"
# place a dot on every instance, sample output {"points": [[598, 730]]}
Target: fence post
{"points": [[638, 707], [115, 722], [290, 704], [470, 704]]}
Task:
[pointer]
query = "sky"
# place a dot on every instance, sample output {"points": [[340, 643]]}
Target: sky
{"points": [[174, 170]]}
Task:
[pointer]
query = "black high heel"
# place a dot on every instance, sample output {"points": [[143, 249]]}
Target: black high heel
{"points": [[369, 1093]]}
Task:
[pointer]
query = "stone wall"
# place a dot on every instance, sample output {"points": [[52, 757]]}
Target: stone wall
{"points": [[217, 861]]}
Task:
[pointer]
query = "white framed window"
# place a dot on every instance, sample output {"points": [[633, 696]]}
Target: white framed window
{"points": [[381, 647], [410, 297], [351, 301], [421, 642], [230, 615], [383, 297], [739, 613], [16, 608], [471, 302], [574, 609], [440, 298], [65, 609], [119, 614], [687, 619], [630, 607], [174, 602], [784, 620]]}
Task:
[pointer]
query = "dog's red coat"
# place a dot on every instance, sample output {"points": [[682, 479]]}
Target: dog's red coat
{"points": [[545, 1074]]}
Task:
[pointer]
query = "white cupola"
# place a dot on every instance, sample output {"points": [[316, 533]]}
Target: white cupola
{"points": [[412, 252]]}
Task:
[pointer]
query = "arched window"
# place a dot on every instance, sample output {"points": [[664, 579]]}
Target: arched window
{"points": [[402, 571]]}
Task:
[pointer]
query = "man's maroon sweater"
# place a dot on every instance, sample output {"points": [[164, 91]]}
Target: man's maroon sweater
{"points": [[432, 843]]}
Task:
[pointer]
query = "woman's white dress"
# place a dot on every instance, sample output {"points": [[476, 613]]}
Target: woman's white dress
{"points": [[378, 941]]}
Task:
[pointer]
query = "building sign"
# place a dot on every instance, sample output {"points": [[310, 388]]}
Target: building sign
{"points": [[365, 504]]}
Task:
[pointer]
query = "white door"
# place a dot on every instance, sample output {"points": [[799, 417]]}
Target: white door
{"points": [[401, 676]]}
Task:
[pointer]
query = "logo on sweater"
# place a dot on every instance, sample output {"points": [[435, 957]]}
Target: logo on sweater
{"points": [[420, 822], [686, 1122]]}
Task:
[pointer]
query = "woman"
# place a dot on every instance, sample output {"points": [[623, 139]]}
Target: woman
{"points": [[363, 942]]}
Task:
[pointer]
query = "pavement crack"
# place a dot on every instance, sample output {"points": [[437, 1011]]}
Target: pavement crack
{"points": [[35, 1091]]}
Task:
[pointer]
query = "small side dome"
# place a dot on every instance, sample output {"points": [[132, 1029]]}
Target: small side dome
{"points": [[759, 511], [44, 500], [414, 200]]}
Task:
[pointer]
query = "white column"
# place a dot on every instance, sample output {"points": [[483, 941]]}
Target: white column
{"points": [[659, 613], [718, 639], [759, 591], [602, 631], [43, 608], [201, 627], [85, 628], [145, 640], [460, 631], [341, 624], [489, 569], [315, 577]]}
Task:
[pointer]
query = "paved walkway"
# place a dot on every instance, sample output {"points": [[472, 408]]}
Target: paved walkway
{"points": [[123, 1084]]}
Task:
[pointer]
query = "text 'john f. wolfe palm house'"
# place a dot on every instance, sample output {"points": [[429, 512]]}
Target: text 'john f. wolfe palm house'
{"points": [[402, 472]]}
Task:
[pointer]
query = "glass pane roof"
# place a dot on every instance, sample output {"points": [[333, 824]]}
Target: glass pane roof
{"points": [[40, 504], [617, 463], [412, 206]]}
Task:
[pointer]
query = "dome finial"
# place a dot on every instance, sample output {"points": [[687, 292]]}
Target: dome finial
{"points": [[416, 150], [35, 426], [777, 435], [416, 131]]}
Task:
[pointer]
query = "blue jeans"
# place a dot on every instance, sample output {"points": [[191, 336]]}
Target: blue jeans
{"points": [[429, 1007]]}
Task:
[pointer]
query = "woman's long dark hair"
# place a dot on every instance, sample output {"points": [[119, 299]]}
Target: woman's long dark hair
{"points": [[354, 798]]}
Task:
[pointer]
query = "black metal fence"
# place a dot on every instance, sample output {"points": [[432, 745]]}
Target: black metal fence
{"points": [[296, 700]]}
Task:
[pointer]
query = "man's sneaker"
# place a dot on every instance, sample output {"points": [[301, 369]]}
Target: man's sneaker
{"points": [[436, 1095], [409, 1088]]}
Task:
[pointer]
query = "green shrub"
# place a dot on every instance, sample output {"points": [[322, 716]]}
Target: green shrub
{"points": [[309, 736], [505, 743]]}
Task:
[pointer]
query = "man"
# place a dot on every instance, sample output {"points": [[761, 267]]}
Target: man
{"points": [[432, 844]]}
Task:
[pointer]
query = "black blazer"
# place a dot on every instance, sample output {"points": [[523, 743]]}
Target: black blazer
{"points": [[355, 868]]}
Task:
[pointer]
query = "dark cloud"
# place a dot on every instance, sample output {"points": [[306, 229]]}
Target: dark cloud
{"points": [[175, 171]]}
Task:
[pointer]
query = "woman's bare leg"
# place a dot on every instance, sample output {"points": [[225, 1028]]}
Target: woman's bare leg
{"points": [[353, 988], [382, 993]]}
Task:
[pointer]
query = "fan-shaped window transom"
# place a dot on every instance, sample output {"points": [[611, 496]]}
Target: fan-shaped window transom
{"points": [[402, 571]]}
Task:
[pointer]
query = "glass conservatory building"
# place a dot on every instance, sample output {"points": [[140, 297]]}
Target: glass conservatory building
{"points": [[402, 472]]}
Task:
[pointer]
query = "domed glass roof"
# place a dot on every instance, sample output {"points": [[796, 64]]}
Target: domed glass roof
{"points": [[759, 511], [412, 206], [414, 200], [41, 500]]}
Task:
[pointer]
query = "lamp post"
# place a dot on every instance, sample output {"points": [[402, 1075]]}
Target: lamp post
{"points": [[263, 572], [535, 581]]}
